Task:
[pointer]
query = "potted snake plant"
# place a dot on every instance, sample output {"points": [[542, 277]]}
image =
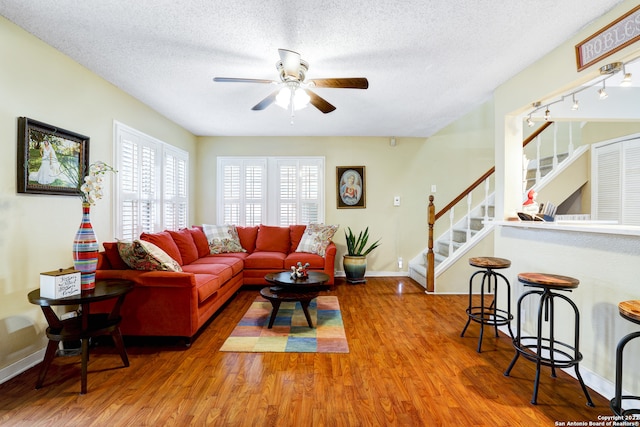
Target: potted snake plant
{"points": [[355, 260]]}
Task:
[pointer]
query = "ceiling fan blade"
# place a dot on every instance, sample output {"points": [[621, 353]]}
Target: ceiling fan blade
{"points": [[319, 102], [344, 83], [236, 80], [290, 62], [266, 102]]}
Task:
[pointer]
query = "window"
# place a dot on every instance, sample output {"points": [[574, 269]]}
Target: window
{"points": [[152, 185], [270, 190], [616, 181]]}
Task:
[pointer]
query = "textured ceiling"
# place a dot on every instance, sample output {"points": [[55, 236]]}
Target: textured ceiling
{"points": [[428, 62]]}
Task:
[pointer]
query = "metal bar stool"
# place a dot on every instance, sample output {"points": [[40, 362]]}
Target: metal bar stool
{"points": [[546, 349], [629, 310], [491, 314]]}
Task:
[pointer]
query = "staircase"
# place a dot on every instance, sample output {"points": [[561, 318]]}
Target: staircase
{"points": [[467, 229]]}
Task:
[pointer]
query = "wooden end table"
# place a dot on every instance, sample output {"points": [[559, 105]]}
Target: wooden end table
{"points": [[84, 326], [284, 288]]}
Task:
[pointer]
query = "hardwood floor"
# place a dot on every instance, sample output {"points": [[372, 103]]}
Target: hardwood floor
{"points": [[407, 366]]}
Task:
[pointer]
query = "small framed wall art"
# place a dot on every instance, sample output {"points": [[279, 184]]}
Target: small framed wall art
{"points": [[350, 183], [50, 160]]}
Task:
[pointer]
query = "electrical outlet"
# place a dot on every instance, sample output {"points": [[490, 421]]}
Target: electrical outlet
{"points": [[433, 188], [400, 262]]}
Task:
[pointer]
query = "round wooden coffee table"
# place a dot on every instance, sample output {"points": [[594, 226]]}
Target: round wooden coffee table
{"points": [[284, 288]]}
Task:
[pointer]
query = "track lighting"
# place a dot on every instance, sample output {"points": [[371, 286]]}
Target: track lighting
{"points": [[606, 71], [603, 92], [626, 80]]}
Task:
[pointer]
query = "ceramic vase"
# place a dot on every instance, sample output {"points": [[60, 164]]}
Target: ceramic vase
{"points": [[85, 251], [354, 268]]}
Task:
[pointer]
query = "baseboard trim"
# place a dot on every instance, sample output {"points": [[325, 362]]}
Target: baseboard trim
{"points": [[20, 366], [378, 274]]}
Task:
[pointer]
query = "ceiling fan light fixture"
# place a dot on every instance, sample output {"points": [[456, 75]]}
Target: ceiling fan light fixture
{"points": [[299, 97]]}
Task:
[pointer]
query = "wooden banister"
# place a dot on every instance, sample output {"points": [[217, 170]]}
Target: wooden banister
{"points": [[431, 215]]}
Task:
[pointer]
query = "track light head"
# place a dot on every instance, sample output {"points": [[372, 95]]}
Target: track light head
{"points": [[612, 68], [529, 121], [575, 106], [547, 115]]}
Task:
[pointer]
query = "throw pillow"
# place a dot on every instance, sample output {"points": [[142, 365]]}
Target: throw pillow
{"points": [[112, 254], [222, 238], [200, 240], [164, 241], [273, 239], [142, 255], [316, 238], [186, 245]]}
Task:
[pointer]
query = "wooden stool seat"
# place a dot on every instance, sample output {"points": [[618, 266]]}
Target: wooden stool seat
{"points": [[489, 262], [630, 310], [548, 280]]}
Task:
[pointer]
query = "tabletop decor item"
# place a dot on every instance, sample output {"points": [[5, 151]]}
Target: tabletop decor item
{"points": [[85, 244], [60, 283]]}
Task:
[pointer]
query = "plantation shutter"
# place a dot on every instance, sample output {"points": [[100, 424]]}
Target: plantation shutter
{"points": [[176, 201], [241, 186], [152, 184], [616, 182], [270, 190], [607, 191], [631, 183]]}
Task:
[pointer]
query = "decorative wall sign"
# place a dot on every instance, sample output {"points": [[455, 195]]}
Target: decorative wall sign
{"points": [[350, 187], [615, 36], [50, 160]]}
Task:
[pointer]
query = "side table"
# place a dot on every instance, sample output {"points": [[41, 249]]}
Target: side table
{"points": [[84, 326]]}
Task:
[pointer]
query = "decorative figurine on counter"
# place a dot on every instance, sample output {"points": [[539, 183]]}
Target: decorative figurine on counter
{"points": [[530, 206], [299, 271]]}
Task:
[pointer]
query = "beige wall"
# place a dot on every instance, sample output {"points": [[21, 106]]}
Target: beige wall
{"points": [[36, 231], [606, 265], [451, 160]]}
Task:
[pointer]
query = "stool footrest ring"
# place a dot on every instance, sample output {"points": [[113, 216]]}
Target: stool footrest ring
{"points": [[561, 358]]}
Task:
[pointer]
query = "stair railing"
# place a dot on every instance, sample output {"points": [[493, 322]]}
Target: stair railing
{"points": [[433, 216]]}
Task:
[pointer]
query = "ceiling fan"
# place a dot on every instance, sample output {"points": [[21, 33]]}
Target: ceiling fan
{"points": [[294, 92]]}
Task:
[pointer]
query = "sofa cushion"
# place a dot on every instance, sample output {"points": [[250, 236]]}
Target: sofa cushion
{"points": [[316, 238], [273, 239], [143, 255], [235, 261], [207, 285], [270, 260], [200, 239], [295, 235], [248, 237], [186, 245], [222, 238], [223, 271], [164, 241], [315, 261], [112, 254]]}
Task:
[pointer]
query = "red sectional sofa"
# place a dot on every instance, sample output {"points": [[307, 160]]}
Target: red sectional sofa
{"points": [[174, 303]]}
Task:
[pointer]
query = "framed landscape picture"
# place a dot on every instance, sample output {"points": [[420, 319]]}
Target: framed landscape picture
{"points": [[350, 187], [50, 160]]}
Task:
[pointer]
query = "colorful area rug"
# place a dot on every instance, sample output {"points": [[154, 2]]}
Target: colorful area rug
{"points": [[290, 332]]}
